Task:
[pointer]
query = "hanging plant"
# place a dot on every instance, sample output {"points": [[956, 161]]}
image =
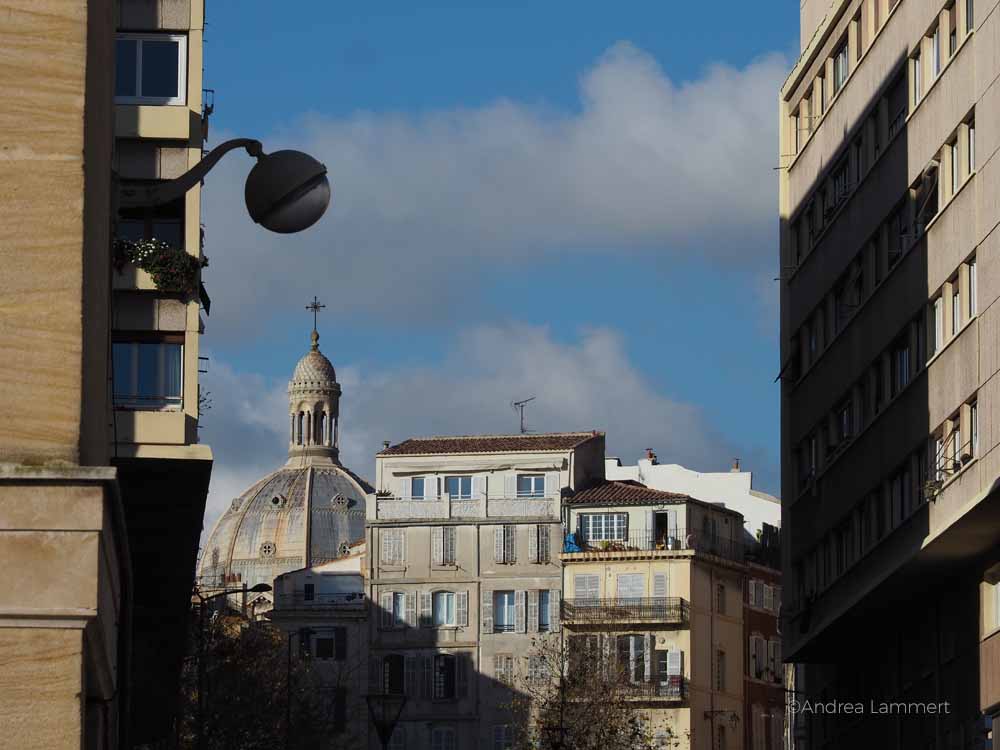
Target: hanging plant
{"points": [[171, 269]]}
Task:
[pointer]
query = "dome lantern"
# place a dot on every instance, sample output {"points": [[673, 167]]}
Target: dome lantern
{"points": [[314, 403]]}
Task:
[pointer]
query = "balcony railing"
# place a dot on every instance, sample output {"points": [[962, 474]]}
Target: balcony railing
{"points": [[475, 506], [297, 599], [673, 688], [666, 540], [664, 609]]}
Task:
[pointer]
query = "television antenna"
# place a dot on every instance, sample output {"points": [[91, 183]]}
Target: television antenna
{"points": [[518, 406]]}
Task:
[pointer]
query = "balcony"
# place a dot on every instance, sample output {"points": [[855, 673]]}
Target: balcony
{"points": [[388, 508], [641, 543], [672, 688], [300, 599], [669, 610]]}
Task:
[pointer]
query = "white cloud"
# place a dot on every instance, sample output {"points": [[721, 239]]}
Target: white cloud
{"points": [[420, 201], [587, 383]]}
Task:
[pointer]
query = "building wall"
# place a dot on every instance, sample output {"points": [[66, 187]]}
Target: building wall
{"points": [[837, 350]]}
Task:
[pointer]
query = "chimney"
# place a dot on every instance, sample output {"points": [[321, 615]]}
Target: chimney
{"points": [[385, 445], [650, 456], [736, 466]]}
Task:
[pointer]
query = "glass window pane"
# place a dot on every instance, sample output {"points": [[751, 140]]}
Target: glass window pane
{"points": [[160, 69], [123, 356], [125, 59], [171, 373], [131, 229], [171, 232], [543, 609], [417, 487]]}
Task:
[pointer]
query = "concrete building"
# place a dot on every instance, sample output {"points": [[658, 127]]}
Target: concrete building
{"points": [[463, 571], [658, 583], [324, 610], [890, 521], [305, 514]]}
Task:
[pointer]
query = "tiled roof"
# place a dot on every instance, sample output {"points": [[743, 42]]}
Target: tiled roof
{"points": [[552, 441], [626, 492]]}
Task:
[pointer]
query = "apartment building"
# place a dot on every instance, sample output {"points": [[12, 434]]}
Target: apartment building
{"points": [[463, 541], [159, 130], [324, 611], [654, 580], [889, 520]]}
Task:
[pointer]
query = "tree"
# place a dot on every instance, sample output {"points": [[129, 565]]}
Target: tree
{"points": [[576, 696], [258, 695]]}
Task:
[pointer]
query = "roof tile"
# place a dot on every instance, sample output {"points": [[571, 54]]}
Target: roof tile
{"points": [[551, 441]]}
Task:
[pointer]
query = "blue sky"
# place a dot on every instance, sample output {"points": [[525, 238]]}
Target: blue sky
{"points": [[517, 189]]}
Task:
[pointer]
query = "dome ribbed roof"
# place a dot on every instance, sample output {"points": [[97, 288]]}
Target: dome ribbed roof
{"points": [[314, 368]]}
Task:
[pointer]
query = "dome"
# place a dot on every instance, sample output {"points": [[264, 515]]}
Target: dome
{"points": [[275, 526], [314, 369]]}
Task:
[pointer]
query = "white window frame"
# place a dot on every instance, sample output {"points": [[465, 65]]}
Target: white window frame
{"points": [[537, 485], [936, 52], [461, 495], [604, 527], [423, 488], [917, 69], [841, 68], [438, 598], [973, 302], [398, 609], [182, 64], [509, 609]]}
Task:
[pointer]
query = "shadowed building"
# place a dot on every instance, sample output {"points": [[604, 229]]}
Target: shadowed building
{"points": [[890, 517]]}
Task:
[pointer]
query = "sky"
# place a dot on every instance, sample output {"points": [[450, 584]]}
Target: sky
{"points": [[572, 201]]}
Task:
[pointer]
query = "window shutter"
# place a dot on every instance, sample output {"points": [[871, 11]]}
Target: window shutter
{"points": [[462, 609], [474, 486], [410, 676], [411, 609], [462, 669], [437, 545], [385, 603], [401, 546], [753, 656], [426, 609], [533, 611], [777, 599], [555, 531], [404, 488], [554, 609], [768, 597], [533, 544], [510, 544], [498, 546], [427, 679], [675, 663], [648, 657], [486, 612], [340, 644], [552, 484], [519, 613], [660, 586], [650, 535], [449, 545], [510, 485], [672, 523]]}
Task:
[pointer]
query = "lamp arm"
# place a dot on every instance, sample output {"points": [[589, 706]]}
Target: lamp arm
{"points": [[164, 192]]}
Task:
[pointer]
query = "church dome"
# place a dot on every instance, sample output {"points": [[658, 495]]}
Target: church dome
{"points": [[306, 513]]}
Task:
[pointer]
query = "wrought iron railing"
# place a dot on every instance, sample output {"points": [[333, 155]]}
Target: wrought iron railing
{"points": [[670, 539], [666, 609], [673, 687]]}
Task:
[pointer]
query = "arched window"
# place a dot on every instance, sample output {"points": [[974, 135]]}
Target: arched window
{"points": [[298, 428]]}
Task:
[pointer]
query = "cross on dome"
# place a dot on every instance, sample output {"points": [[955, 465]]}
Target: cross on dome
{"points": [[315, 306]]}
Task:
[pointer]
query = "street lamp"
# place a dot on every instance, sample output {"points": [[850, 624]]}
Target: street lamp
{"points": [[260, 588], [286, 191], [384, 709]]}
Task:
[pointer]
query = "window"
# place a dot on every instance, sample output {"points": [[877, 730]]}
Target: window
{"points": [[587, 586], [417, 486], [955, 178], [503, 668], [720, 599], [900, 365], [398, 612], [631, 585], [392, 674], [936, 51], [332, 647], [147, 374], [841, 183], [503, 611], [974, 428], [150, 69], [795, 132], [458, 487], [444, 608], [845, 421], [503, 737], [505, 544], [632, 656], [938, 314], [538, 669], [956, 307], [917, 83], [601, 527], [840, 67], [393, 546], [309, 592], [531, 485], [443, 738], [969, 16], [539, 538], [164, 223], [544, 611], [443, 545], [972, 147], [972, 288], [445, 673], [720, 670]]}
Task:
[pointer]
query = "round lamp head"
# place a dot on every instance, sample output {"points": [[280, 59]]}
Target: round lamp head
{"points": [[287, 191]]}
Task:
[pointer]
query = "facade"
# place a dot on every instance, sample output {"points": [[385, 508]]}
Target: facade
{"points": [[324, 611], [764, 696], [463, 573], [656, 579], [159, 131], [890, 521], [305, 514]]}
